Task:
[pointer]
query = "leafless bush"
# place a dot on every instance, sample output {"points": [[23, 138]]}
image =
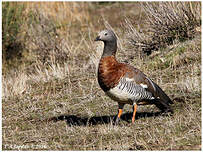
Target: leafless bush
{"points": [[167, 22]]}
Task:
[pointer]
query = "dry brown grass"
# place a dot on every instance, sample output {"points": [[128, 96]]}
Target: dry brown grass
{"points": [[53, 101]]}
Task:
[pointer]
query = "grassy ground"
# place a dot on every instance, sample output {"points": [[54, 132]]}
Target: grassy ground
{"points": [[57, 104]]}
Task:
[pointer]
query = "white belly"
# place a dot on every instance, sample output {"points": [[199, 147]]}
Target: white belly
{"points": [[120, 95]]}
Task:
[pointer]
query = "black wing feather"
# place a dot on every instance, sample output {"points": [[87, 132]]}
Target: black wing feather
{"points": [[162, 101]]}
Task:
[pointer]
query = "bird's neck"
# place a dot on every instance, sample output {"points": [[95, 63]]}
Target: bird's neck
{"points": [[110, 49]]}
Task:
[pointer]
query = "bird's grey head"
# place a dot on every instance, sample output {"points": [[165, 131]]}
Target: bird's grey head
{"points": [[106, 36], [110, 42]]}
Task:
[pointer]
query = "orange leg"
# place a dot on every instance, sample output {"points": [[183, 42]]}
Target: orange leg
{"points": [[118, 116], [120, 113], [120, 110], [134, 112]]}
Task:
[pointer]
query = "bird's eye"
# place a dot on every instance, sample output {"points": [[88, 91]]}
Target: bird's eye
{"points": [[106, 34]]}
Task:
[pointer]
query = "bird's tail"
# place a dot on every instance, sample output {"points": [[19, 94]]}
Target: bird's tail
{"points": [[163, 106], [162, 101]]}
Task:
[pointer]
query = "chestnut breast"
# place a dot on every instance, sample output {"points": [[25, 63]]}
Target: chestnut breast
{"points": [[110, 72]]}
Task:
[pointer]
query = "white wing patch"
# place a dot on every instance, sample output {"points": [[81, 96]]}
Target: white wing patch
{"points": [[129, 79], [144, 85]]}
